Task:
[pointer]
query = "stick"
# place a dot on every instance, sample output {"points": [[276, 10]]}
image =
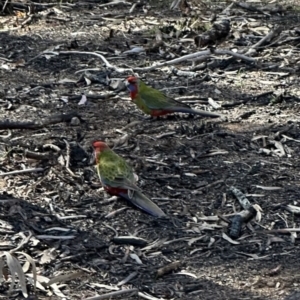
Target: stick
{"points": [[251, 8], [4, 6], [108, 65], [36, 155], [68, 160], [22, 171], [114, 3], [196, 55], [7, 124], [159, 65], [112, 294], [274, 32]]}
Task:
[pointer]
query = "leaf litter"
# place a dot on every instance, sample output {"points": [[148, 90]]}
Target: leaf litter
{"points": [[229, 187]]}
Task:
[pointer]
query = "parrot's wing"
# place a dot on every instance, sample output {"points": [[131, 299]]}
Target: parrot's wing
{"points": [[120, 182], [113, 171], [155, 99], [138, 199]]}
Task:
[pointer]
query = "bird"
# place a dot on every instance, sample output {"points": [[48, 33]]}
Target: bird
{"points": [[118, 179], [155, 103]]}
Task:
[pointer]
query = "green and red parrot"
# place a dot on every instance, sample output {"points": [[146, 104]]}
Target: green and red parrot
{"points": [[155, 103], [118, 179]]}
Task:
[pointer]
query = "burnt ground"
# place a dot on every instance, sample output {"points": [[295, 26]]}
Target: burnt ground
{"points": [[60, 215]]}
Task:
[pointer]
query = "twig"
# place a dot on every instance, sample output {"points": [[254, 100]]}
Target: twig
{"points": [[68, 258], [175, 4], [53, 147], [68, 161], [292, 208], [54, 119], [108, 65], [194, 56], [5, 59], [274, 32], [65, 277], [127, 279], [44, 4], [36, 155], [25, 240], [22, 171], [283, 230], [159, 65], [113, 294], [148, 297], [251, 8], [4, 137], [54, 237], [227, 9], [114, 3], [4, 6], [243, 200]]}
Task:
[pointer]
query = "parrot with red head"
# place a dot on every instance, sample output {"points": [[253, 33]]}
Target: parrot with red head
{"points": [[118, 179], [155, 103]]}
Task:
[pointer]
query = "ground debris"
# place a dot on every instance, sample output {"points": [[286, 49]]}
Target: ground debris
{"points": [[63, 68]]}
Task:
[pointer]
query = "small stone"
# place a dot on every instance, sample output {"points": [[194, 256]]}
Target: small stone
{"points": [[75, 121]]}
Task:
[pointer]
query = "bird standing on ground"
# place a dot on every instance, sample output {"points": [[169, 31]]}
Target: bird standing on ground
{"points": [[155, 103], [118, 179]]}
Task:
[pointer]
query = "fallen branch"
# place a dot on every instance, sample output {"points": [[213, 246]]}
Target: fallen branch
{"points": [[36, 155], [25, 241], [273, 33], [7, 124], [107, 64], [54, 237], [113, 294], [113, 3], [22, 171], [159, 65], [292, 208], [67, 157], [194, 56], [250, 8]]}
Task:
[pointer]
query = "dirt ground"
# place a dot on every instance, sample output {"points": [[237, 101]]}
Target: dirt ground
{"points": [[59, 213]]}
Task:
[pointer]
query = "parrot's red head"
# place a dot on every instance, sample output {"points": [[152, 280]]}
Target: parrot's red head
{"points": [[132, 86], [98, 148]]}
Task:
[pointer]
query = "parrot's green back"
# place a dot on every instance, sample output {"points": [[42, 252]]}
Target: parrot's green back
{"points": [[149, 99], [113, 170], [155, 103]]}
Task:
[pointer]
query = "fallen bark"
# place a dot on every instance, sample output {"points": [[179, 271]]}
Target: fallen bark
{"points": [[7, 124]]}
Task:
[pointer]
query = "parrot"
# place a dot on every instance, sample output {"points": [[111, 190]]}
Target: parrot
{"points": [[118, 179], [155, 103]]}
